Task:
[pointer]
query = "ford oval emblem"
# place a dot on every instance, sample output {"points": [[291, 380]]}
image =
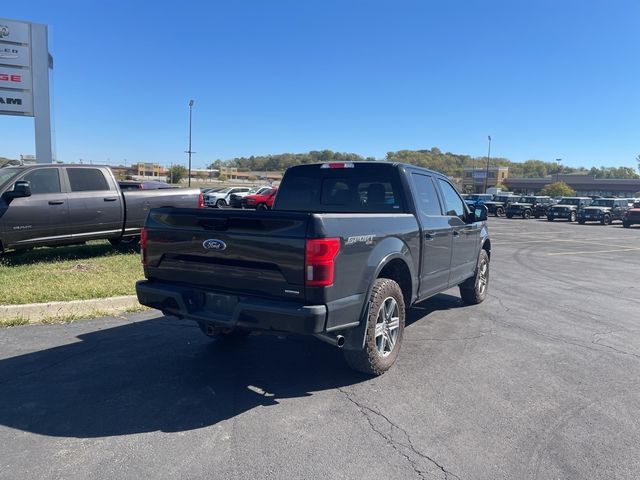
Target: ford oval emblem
{"points": [[214, 244]]}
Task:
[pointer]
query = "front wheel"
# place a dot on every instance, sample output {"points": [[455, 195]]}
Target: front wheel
{"points": [[572, 217], [606, 220], [385, 329], [474, 289], [262, 206], [499, 212], [526, 214], [221, 203]]}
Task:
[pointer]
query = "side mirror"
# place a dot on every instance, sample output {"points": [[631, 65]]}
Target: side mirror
{"points": [[479, 213], [20, 189]]}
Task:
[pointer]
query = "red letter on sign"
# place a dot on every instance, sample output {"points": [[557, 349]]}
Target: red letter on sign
{"points": [[16, 78], [4, 77]]}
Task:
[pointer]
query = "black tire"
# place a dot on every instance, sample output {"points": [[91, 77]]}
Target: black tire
{"points": [[526, 214], [499, 212], [474, 290], [536, 215], [509, 215], [549, 219], [581, 222], [220, 203], [572, 217], [374, 359], [125, 243], [606, 220], [221, 334], [626, 224], [262, 206]]}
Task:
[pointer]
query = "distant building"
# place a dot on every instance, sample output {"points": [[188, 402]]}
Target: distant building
{"points": [[585, 185], [149, 170], [473, 179], [28, 160]]}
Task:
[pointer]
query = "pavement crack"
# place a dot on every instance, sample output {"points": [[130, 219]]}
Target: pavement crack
{"points": [[453, 339], [397, 445]]}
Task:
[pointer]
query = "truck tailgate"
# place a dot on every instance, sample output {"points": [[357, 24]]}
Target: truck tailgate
{"points": [[259, 253]]}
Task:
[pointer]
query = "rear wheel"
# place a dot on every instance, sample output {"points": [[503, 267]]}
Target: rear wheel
{"points": [[499, 212], [125, 242], [221, 203], [606, 220], [526, 214], [385, 329], [262, 206], [572, 217], [474, 289]]}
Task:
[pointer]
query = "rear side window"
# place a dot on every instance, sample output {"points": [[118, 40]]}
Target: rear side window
{"points": [[363, 188], [426, 195], [87, 180], [453, 204], [44, 180]]}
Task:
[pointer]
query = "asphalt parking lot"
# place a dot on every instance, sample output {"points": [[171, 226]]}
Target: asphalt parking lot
{"points": [[541, 381]]}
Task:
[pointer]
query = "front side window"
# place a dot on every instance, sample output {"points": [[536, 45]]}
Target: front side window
{"points": [[453, 204], [87, 180], [44, 180]]}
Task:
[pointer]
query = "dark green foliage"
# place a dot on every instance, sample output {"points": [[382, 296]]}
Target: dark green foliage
{"points": [[450, 164]]}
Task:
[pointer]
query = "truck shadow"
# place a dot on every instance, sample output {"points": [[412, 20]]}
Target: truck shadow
{"points": [[162, 374]]}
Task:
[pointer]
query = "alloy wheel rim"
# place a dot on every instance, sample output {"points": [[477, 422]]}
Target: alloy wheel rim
{"points": [[483, 277], [387, 326]]}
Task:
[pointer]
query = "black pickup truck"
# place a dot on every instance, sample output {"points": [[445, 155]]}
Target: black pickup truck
{"points": [[64, 204], [346, 249]]}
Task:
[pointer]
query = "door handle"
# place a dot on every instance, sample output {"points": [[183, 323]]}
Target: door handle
{"points": [[456, 233], [56, 202], [430, 236], [110, 199]]}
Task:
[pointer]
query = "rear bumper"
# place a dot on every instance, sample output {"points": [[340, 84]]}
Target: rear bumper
{"points": [[232, 311]]}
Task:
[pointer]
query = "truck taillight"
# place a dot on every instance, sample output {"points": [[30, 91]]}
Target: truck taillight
{"points": [[144, 237], [201, 201], [320, 254]]}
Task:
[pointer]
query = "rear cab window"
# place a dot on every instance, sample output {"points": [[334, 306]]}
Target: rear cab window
{"points": [[87, 180], [352, 188]]}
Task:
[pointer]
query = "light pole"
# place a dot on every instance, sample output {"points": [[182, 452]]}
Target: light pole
{"points": [[189, 151], [486, 173], [558, 161]]}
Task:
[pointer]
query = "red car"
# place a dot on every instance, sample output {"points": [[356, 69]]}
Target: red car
{"points": [[261, 201], [631, 216]]}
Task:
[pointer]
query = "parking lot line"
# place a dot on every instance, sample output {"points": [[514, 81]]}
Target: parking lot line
{"points": [[594, 251]]}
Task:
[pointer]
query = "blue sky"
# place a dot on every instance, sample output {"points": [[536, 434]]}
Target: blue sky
{"points": [[546, 79]]}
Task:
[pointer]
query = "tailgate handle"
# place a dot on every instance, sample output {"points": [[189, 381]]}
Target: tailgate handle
{"points": [[214, 224]]}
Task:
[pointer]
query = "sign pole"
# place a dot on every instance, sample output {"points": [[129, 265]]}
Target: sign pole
{"points": [[41, 104]]}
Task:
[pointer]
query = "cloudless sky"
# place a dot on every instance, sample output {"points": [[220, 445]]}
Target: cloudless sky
{"points": [[546, 79]]}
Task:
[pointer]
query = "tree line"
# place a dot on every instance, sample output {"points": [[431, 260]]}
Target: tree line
{"points": [[450, 164]]}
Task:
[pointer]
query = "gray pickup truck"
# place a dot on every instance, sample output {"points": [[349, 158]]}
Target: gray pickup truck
{"points": [[346, 249], [65, 204]]}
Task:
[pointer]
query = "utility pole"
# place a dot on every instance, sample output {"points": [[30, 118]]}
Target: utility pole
{"points": [[486, 173], [189, 151]]}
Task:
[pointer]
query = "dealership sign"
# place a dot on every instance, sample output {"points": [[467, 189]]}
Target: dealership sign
{"points": [[24, 78]]}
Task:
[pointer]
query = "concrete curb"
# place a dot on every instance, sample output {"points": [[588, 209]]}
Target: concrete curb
{"points": [[36, 312]]}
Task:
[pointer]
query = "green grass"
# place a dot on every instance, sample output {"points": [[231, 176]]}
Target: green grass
{"points": [[81, 272]]}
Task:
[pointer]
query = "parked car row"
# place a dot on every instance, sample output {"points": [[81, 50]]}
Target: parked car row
{"points": [[572, 209], [240, 197]]}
